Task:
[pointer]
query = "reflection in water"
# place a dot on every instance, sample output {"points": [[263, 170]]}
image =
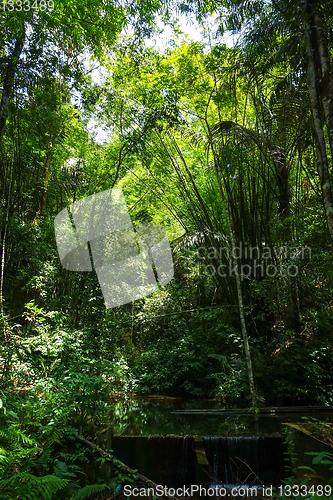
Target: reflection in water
{"points": [[153, 416]]}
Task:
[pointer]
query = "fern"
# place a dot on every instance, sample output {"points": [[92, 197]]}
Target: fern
{"points": [[12, 435], [28, 487], [90, 490], [30, 468]]}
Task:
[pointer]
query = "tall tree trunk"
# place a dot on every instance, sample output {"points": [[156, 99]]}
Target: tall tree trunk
{"points": [[282, 179], [8, 81], [322, 161], [42, 203], [2, 272], [239, 295], [324, 67], [254, 398], [49, 150]]}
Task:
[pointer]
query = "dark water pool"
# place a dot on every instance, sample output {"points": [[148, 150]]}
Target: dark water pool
{"points": [[153, 416]]}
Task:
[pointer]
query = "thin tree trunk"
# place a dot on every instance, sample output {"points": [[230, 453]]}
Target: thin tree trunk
{"points": [[42, 203], [282, 179], [326, 80], [51, 144], [8, 82], [254, 398], [238, 286], [322, 162], [3, 256], [240, 298]]}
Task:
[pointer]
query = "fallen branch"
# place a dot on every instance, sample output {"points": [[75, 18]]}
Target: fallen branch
{"points": [[122, 466]]}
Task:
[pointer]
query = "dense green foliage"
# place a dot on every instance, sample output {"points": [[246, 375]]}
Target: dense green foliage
{"points": [[221, 146]]}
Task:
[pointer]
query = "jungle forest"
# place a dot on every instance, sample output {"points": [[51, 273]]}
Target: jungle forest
{"points": [[212, 122]]}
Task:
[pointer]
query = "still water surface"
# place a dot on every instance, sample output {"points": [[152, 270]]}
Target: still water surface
{"points": [[153, 416]]}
